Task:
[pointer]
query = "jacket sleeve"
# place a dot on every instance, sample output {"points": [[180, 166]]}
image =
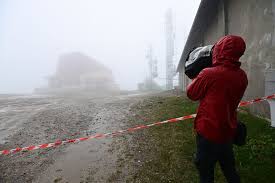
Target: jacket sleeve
{"points": [[199, 86]]}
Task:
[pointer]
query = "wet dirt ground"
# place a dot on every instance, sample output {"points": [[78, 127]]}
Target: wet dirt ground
{"points": [[32, 120]]}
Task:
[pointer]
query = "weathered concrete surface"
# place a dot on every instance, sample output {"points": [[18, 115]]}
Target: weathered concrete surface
{"points": [[252, 19]]}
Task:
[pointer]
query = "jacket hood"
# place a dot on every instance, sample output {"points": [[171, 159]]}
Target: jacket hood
{"points": [[228, 50]]}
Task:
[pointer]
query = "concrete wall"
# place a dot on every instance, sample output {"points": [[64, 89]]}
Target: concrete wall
{"points": [[255, 21], [216, 28], [181, 80]]}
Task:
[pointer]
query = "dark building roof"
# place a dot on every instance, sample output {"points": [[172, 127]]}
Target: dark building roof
{"points": [[206, 12]]}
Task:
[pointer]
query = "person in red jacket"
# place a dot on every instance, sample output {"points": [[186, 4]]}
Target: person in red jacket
{"points": [[219, 89]]}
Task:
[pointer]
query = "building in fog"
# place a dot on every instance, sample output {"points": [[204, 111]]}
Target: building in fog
{"points": [[254, 20], [78, 72]]}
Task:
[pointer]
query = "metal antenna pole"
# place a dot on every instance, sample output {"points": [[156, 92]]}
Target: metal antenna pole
{"points": [[149, 56], [169, 49]]}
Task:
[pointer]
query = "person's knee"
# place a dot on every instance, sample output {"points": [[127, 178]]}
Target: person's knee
{"points": [[204, 164]]}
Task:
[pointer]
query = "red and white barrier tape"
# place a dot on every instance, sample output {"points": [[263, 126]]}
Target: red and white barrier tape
{"points": [[246, 103], [112, 134]]}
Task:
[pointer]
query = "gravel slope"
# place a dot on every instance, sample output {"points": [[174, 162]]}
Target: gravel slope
{"points": [[34, 120]]}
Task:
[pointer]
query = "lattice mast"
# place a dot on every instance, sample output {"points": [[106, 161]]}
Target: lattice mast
{"points": [[170, 41]]}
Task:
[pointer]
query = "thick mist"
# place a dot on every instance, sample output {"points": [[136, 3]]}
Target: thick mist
{"points": [[35, 33]]}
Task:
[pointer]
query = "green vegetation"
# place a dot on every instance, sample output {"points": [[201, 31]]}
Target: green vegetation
{"points": [[166, 152]]}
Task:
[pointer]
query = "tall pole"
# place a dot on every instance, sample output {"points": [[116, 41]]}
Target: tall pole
{"points": [[149, 56], [153, 68], [170, 70]]}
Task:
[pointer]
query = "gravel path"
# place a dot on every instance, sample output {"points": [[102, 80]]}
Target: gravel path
{"points": [[34, 120]]}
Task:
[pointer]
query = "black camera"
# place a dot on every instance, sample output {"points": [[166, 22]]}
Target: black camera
{"points": [[198, 59]]}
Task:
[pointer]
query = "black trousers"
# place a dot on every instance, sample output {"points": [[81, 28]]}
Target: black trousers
{"points": [[208, 154]]}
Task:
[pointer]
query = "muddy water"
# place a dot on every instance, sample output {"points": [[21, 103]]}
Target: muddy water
{"points": [[89, 161]]}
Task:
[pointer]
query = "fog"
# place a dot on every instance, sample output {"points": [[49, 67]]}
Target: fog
{"points": [[34, 33]]}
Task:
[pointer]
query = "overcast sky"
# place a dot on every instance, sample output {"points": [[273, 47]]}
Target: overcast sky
{"points": [[33, 33]]}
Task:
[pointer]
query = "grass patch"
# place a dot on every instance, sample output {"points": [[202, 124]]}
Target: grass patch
{"points": [[165, 153]]}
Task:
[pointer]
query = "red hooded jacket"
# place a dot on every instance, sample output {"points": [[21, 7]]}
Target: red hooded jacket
{"points": [[219, 90]]}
